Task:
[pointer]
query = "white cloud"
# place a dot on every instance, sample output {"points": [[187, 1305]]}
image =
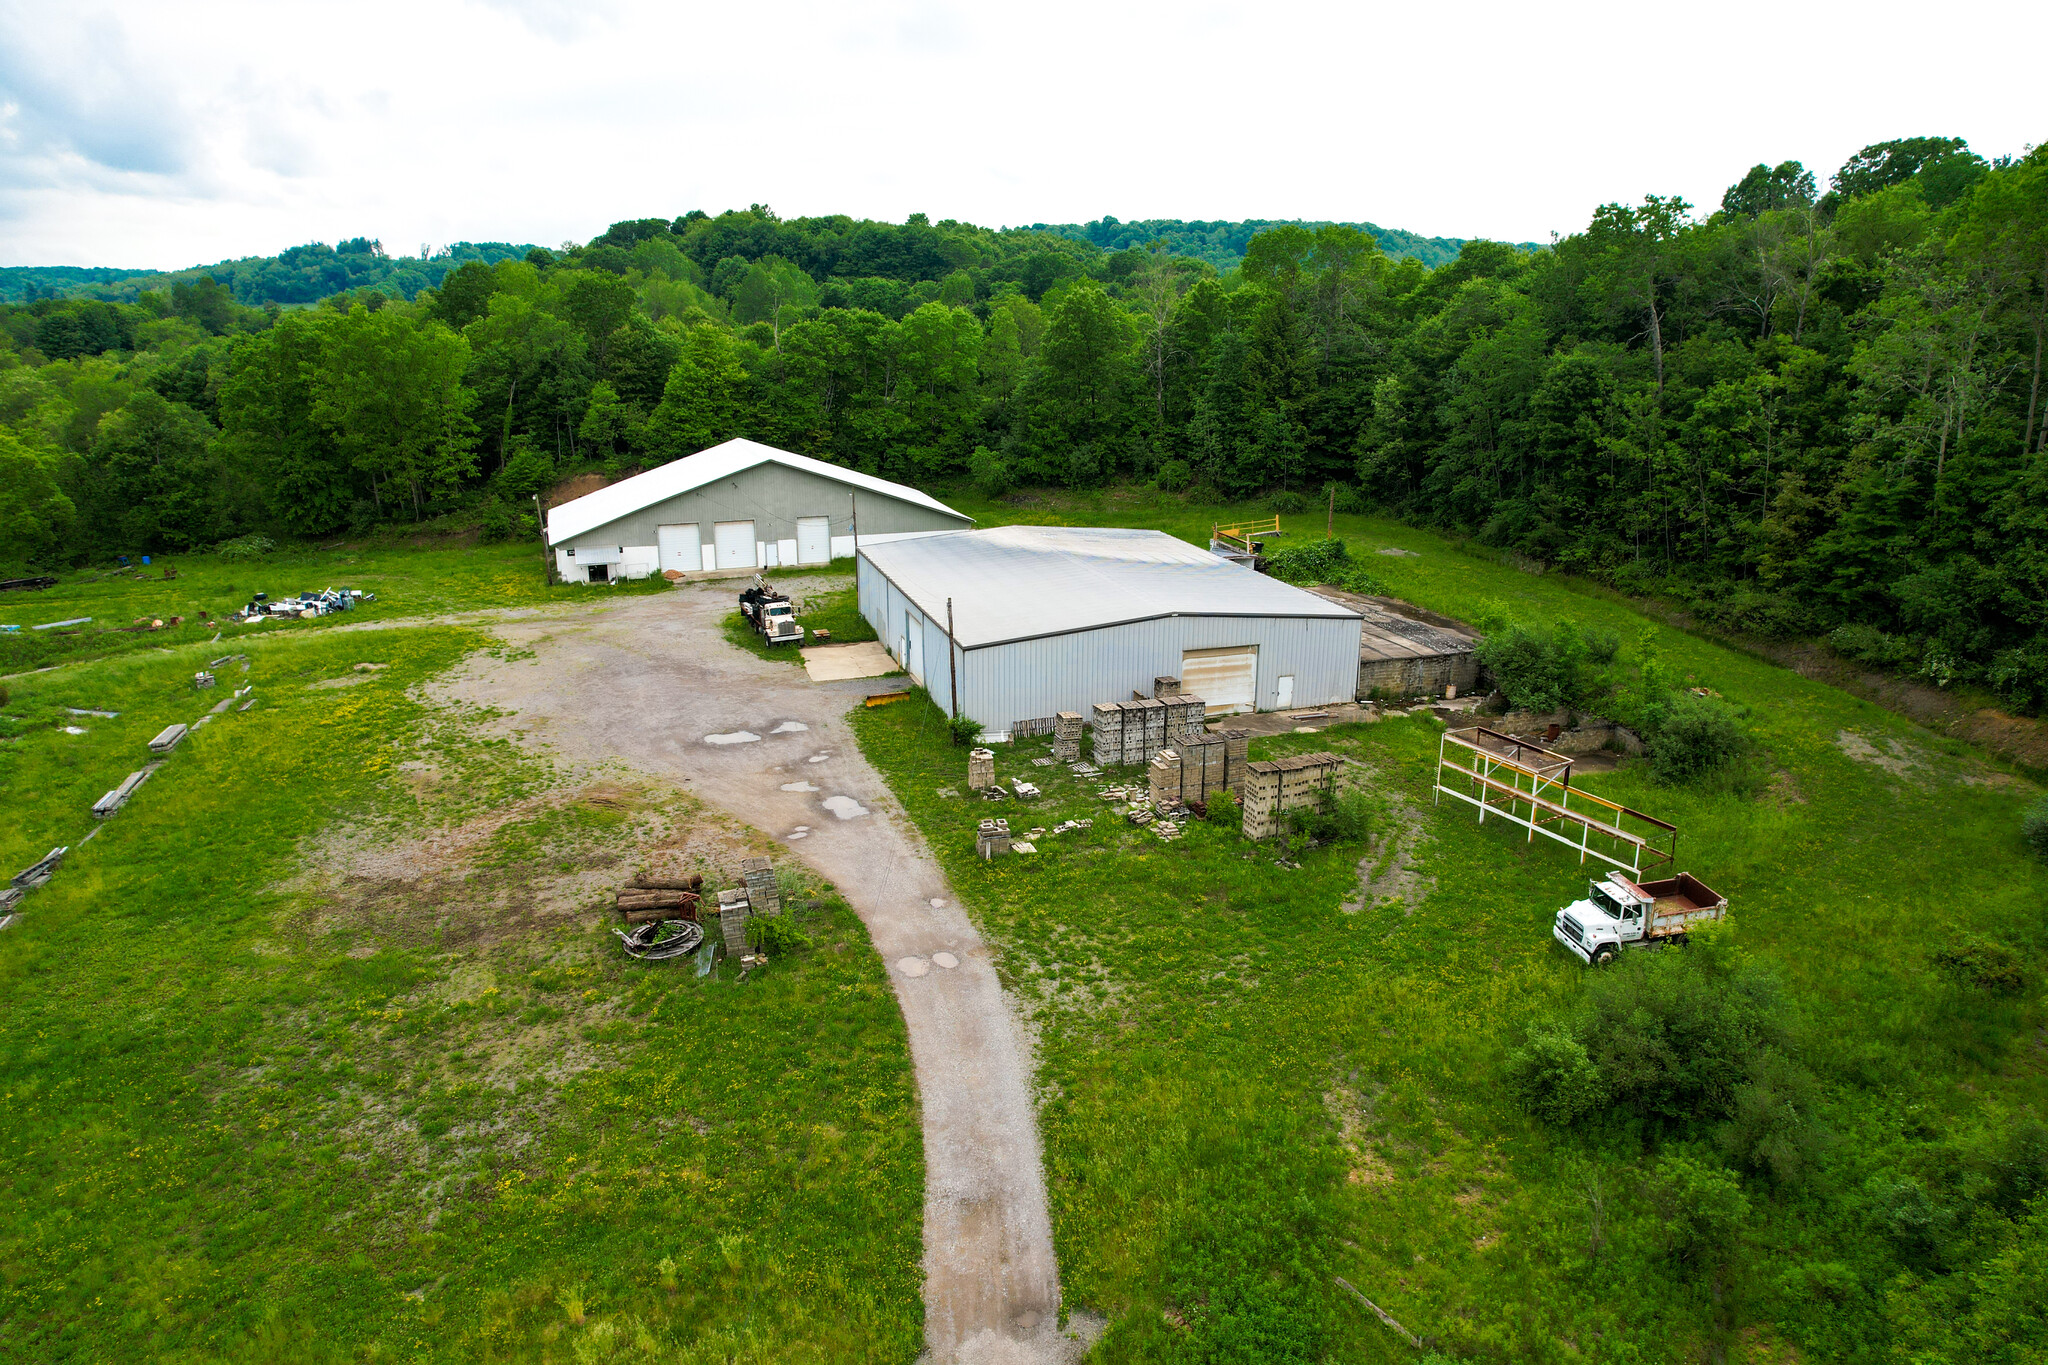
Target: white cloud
{"points": [[170, 134]]}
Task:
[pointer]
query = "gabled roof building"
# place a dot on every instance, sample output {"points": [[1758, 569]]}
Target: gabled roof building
{"points": [[1021, 622], [740, 505]]}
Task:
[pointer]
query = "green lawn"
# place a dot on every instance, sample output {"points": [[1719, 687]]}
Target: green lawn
{"points": [[1226, 1048], [270, 1096], [832, 608], [408, 581]]}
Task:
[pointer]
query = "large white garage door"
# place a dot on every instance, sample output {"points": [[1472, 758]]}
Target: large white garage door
{"points": [[735, 544], [679, 548], [813, 540], [1227, 679]]}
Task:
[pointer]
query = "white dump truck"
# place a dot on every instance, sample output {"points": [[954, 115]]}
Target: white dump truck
{"points": [[1619, 913]]}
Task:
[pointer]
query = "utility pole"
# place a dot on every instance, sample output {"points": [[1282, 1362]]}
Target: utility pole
{"points": [[853, 499], [547, 565], [952, 665], [1330, 520]]}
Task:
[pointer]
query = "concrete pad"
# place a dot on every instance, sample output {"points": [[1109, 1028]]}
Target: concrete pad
{"points": [[836, 663]]}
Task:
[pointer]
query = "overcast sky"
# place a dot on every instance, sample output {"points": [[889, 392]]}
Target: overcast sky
{"points": [[170, 134]]}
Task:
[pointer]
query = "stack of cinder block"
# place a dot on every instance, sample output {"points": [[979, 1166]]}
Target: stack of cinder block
{"points": [[764, 897], [1271, 789], [1107, 733], [981, 769], [1066, 736], [992, 837], [1163, 776], [1163, 688], [1154, 712], [1237, 753], [1190, 772], [1185, 716]]}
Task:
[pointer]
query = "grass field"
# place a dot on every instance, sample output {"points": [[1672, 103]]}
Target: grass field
{"points": [[408, 581], [832, 608], [1226, 1046], [320, 1050]]}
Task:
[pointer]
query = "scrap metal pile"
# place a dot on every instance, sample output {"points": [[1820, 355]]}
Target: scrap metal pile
{"points": [[668, 915], [304, 606]]}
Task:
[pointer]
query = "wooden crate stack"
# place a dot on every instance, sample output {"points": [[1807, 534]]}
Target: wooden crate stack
{"points": [[1066, 736], [981, 769], [1271, 789]]}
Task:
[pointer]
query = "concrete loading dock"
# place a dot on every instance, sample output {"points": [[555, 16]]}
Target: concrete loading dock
{"points": [[1404, 651]]}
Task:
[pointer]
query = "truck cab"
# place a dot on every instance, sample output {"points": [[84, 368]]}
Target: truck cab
{"points": [[1619, 912]]}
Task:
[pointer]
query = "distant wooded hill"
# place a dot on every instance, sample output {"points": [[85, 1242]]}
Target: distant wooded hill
{"points": [[1222, 244], [307, 274], [304, 274]]}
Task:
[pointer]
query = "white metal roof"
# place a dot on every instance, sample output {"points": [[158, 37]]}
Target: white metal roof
{"points": [[1020, 582], [628, 496]]}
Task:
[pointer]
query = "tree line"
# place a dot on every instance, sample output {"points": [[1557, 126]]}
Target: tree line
{"points": [[1800, 412]]}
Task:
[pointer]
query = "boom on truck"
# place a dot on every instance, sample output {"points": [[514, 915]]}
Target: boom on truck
{"points": [[772, 614], [1620, 912]]}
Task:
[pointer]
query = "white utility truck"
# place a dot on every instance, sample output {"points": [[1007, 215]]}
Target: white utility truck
{"points": [[1618, 913]]}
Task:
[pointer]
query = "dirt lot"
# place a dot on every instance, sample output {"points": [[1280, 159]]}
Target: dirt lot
{"points": [[645, 688]]}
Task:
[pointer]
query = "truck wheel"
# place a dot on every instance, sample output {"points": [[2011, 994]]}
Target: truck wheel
{"points": [[1604, 954]]}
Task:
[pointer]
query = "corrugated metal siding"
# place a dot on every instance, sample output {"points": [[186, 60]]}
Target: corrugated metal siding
{"points": [[1030, 678]]}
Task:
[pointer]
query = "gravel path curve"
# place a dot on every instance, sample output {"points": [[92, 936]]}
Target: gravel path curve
{"points": [[649, 682]]}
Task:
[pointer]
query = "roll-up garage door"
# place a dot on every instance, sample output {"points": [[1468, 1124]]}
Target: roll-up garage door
{"points": [[813, 540], [735, 541], [1226, 679]]}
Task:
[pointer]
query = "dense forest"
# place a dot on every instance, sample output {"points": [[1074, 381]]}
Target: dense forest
{"points": [[1800, 412], [304, 274], [1223, 244]]}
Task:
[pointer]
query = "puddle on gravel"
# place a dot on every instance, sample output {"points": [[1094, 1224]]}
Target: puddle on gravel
{"points": [[800, 786], [845, 807], [912, 966], [735, 737], [789, 727], [817, 758]]}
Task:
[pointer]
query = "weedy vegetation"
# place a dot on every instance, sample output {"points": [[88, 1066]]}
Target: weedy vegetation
{"points": [[321, 1049]]}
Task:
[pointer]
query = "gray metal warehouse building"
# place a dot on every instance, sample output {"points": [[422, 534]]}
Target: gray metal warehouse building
{"points": [[740, 505], [1020, 622]]}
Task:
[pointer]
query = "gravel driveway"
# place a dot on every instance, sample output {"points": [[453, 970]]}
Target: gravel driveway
{"points": [[650, 682]]}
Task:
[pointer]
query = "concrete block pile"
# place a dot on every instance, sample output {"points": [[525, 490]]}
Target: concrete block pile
{"points": [[1294, 783]]}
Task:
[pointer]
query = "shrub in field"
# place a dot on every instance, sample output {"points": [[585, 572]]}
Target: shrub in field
{"points": [[1554, 1078], [1224, 810], [1289, 503], [243, 548], [966, 731], [1986, 966], [1346, 816], [1538, 670], [1323, 561], [2034, 826], [1174, 475], [497, 522], [1698, 736], [1702, 1205]]}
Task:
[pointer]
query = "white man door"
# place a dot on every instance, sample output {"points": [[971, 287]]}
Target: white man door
{"points": [[735, 540], [814, 540], [1227, 679], [680, 548]]}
